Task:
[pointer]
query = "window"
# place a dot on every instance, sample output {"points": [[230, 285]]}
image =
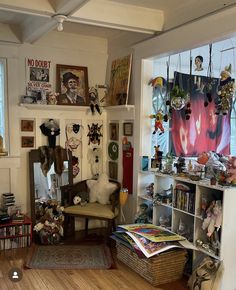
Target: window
{"points": [[223, 54], [3, 105]]}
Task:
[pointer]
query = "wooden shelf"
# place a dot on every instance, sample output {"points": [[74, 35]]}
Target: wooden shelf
{"points": [[74, 108]]}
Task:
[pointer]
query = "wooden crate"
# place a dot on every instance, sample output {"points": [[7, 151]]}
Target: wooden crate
{"points": [[163, 268]]}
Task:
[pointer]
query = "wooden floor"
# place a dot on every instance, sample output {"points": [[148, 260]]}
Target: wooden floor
{"points": [[120, 278]]}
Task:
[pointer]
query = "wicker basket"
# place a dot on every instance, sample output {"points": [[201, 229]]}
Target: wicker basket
{"points": [[160, 269]]}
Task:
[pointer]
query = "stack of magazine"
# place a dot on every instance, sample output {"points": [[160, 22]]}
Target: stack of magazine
{"points": [[148, 240]]}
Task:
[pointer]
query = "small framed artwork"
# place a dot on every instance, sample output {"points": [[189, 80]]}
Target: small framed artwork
{"points": [[114, 131], [113, 170], [27, 126], [128, 129], [27, 141], [72, 85]]}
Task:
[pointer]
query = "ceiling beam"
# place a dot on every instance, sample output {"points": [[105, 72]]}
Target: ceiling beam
{"points": [[121, 16]]}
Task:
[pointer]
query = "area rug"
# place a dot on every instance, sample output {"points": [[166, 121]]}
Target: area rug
{"points": [[70, 257]]}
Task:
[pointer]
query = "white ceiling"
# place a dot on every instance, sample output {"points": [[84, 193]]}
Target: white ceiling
{"points": [[136, 19]]}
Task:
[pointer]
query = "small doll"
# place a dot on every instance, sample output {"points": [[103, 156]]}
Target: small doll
{"points": [[50, 129], [225, 92], [94, 100]]}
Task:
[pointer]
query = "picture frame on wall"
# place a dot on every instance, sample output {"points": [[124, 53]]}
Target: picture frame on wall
{"points": [[27, 126], [72, 85], [128, 129], [114, 131], [113, 170], [27, 141]]}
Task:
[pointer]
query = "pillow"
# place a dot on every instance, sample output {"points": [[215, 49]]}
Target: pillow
{"points": [[101, 189]]}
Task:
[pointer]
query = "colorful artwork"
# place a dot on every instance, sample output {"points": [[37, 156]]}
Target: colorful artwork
{"points": [[204, 131], [119, 81], [152, 232]]}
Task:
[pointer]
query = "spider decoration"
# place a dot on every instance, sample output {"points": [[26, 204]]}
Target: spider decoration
{"points": [[94, 133]]}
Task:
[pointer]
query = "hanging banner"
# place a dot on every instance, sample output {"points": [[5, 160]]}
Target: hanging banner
{"points": [[128, 156]]}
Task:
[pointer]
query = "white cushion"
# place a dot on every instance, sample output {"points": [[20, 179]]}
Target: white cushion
{"points": [[101, 189]]}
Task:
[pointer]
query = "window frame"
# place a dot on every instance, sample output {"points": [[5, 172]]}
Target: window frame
{"points": [[3, 63]]}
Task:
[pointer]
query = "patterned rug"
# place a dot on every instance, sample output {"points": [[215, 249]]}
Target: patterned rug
{"points": [[70, 257]]}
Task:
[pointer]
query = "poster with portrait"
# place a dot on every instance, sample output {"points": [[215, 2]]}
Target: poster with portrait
{"points": [[119, 81], [204, 131], [72, 85], [38, 81]]}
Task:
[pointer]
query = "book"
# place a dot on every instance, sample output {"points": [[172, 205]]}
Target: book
{"points": [[152, 232]]}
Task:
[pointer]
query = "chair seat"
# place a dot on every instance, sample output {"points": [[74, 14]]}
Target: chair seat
{"points": [[93, 210]]}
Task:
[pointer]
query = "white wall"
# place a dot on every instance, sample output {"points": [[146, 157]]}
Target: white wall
{"points": [[59, 48]]}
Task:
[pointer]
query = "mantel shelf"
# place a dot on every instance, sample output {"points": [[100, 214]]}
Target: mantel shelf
{"points": [[74, 108]]}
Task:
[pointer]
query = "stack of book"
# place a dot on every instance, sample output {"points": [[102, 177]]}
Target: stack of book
{"points": [[148, 240], [8, 199]]}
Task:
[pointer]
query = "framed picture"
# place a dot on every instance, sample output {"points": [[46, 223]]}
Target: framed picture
{"points": [[27, 141], [128, 129], [72, 85], [114, 131], [113, 170], [27, 125], [119, 81]]}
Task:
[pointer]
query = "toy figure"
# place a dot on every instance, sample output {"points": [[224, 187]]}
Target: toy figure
{"points": [[50, 129], [180, 165], [159, 118], [158, 157], [94, 100], [225, 91], [142, 214], [150, 189]]}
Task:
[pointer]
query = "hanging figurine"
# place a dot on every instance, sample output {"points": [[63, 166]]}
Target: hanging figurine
{"points": [[159, 118], [225, 91], [50, 129], [94, 133], [94, 100]]}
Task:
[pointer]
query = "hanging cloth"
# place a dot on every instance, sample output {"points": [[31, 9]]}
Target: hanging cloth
{"points": [[50, 129]]}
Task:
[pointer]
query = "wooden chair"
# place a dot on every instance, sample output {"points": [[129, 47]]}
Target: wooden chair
{"points": [[107, 212]]}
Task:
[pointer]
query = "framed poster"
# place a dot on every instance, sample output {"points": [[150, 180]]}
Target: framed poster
{"points": [[38, 78], [119, 81], [128, 129], [72, 85]]}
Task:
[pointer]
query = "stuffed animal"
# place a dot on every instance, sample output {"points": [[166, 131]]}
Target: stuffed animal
{"points": [[81, 198], [231, 171], [76, 199]]}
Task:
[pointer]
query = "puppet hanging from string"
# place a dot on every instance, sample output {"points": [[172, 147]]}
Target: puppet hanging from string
{"points": [[178, 97], [159, 85]]}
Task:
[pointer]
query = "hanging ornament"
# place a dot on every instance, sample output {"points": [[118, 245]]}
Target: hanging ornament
{"points": [[178, 98], [159, 118], [210, 81], [225, 92]]}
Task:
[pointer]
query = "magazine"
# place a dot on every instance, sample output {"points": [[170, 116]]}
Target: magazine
{"points": [[150, 248], [152, 232]]}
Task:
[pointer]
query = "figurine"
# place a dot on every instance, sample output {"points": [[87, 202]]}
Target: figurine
{"points": [[142, 214]]}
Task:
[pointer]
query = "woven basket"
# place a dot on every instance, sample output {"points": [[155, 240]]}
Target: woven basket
{"points": [[159, 269]]}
